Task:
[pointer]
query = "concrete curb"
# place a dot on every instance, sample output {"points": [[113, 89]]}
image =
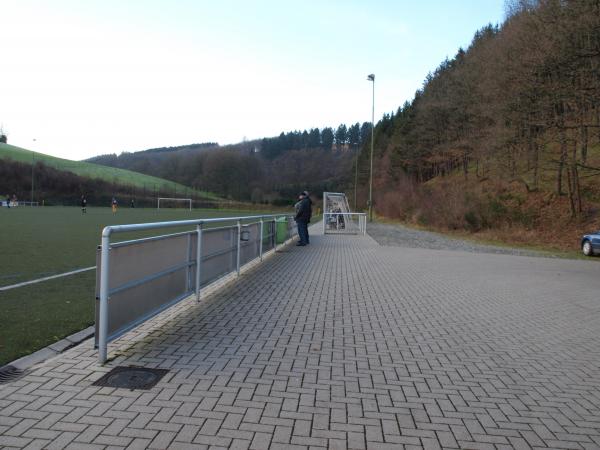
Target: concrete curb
{"points": [[52, 350]]}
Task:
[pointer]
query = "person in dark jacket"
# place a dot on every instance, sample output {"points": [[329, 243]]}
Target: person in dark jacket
{"points": [[303, 213], [310, 203]]}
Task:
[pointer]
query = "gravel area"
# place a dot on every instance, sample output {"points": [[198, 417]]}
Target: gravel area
{"points": [[401, 236]]}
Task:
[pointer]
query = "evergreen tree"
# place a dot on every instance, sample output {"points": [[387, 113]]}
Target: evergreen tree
{"points": [[305, 139], [314, 138], [327, 138], [365, 133], [354, 135], [341, 136]]}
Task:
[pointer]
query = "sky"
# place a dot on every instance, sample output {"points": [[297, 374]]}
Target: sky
{"points": [[79, 78]]}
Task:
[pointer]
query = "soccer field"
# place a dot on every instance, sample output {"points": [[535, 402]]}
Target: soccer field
{"points": [[44, 241]]}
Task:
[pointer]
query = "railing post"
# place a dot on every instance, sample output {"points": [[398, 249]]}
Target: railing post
{"points": [[260, 250], [188, 272], [324, 213], [198, 261], [274, 234], [104, 286], [239, 246]]}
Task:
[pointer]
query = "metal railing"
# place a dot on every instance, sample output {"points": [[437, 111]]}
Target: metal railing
{"points": [[138, 279], [344, 223]]}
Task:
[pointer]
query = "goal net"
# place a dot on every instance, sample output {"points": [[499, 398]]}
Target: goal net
{"points": [[166, 202]]}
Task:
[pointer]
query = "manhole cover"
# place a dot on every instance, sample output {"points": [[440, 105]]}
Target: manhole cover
{"points": [[131, 378], [9, 373]]}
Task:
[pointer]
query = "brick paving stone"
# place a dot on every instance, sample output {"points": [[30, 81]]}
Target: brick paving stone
{"points": [[276, 446], [37, 444], [82, 446], [139, 443], [282, 434], [112, 440], [162, 440], [12, 441], [343, 344]]}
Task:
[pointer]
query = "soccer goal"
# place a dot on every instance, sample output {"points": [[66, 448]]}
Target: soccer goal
{"points": [[166, 202]]}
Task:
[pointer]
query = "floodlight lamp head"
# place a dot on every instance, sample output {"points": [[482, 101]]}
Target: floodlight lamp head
{"points": [[371, 77]]}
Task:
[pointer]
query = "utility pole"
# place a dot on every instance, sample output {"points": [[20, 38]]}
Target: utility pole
{"points": [[356, 177]]}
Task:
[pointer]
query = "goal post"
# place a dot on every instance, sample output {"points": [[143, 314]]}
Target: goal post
{"points": [[187, 202]]}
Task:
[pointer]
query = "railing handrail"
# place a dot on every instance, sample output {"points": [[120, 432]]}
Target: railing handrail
{"points": [[345, 214], [111, 229]]}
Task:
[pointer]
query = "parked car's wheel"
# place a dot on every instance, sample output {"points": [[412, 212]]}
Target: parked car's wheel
{"points": [[586, 248]]}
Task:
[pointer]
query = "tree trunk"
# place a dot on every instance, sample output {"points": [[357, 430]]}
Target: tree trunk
{"points": [[533, 158], [570, 190], [584, 143], [563, 158], [536, 163], [576, 184]]}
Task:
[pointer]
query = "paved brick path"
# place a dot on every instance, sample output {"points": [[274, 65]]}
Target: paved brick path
{"points": [[343, 344]]}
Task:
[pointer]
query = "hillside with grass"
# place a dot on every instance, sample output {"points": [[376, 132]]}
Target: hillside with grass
{"points": [[111, 175]]}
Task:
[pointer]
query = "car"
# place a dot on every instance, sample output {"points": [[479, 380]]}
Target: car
{"points": [[590, 244]]}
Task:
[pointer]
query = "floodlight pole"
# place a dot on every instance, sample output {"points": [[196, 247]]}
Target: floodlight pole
{"points": [[371, 77], [356, 176]]}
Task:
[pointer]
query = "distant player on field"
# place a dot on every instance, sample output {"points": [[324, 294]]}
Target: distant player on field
{"points": [[83, 205], [114, 205]]}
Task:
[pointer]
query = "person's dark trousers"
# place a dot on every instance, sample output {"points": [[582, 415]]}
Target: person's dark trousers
{"points": [[303, 232]]}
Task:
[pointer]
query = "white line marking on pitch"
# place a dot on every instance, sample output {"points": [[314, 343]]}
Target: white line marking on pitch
{"points": [[39, 280]]}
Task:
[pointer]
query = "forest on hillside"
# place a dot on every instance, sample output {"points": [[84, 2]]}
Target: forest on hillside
{"points": [[270, 170], [507, 128], [154, 161]]}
